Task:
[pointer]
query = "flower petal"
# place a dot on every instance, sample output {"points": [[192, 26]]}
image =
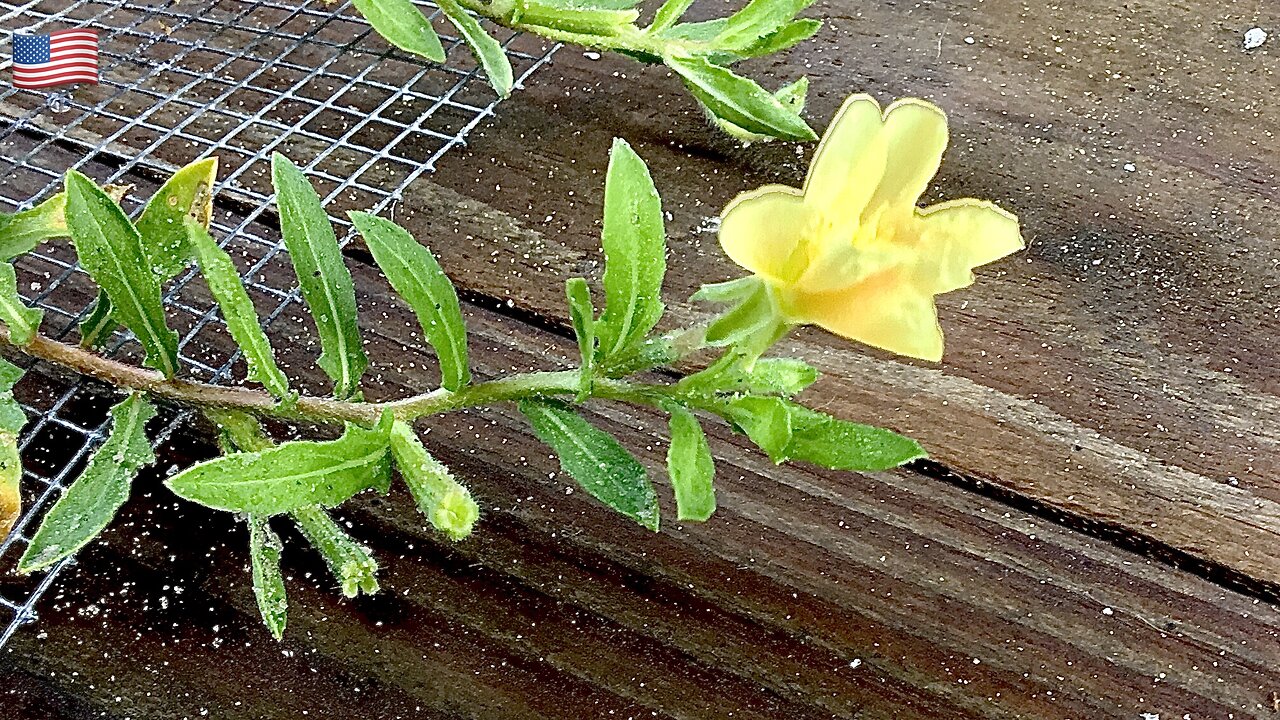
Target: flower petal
{"points": [[848, 162], [764, 231], [958, 236], [886, 311], [915, 135]]}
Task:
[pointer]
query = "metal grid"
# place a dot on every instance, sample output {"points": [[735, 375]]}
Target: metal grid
{"points": [[184, 79]]}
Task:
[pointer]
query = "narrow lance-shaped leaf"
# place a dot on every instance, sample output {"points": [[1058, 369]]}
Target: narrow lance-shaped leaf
{"points": [[789, 35], [669, 14], [22, 322], [187, 194], [739, 100], [11, 421], [265, 549], [21, 232], [110, 250], [92, 500], [791, 96], [841, 445], [237, 309], [758, 19], [348, 560], [582, 314], [766, 421], [416, 276], [584, 21], [324, 279], [292, 475], [402, 24], [448, 505], [690, 466], [492, 57], [634, 243], [593, 458]]}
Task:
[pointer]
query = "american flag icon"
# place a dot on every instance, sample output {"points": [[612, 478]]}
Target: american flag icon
{"points": [[59, 58]]}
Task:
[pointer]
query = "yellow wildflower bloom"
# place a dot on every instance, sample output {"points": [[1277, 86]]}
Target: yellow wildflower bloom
{"points": [[852, 252]]}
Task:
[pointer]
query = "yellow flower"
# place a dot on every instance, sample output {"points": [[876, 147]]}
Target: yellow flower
{"points": [[852, 252]]}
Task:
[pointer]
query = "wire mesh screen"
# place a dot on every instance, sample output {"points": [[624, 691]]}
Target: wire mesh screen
{"points": [[185, 79]]}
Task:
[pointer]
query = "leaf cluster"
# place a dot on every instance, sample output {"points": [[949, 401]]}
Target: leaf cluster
{"points": [[701, 53], [264, 481]]}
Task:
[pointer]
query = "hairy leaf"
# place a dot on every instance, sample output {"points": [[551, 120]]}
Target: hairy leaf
{"points": [[739, 100], [348, 560], [841, 445], [668, 15], [402, 24], [592, 4], [690, 466], [492, 57], [416, 276], [583, 316], [92, 500], [292, 475], [110, 250], [767, 421], [265, 549], [758, 19], [21, 232], [752, 312], [596, 460], [237, 309], [448, 505], [789, 35], [324, 279], [635, 246], [792, 96], [22, 322], [11, 421]]}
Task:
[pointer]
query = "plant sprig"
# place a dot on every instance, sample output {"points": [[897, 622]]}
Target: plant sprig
{"points": [[259, 480], [700, 53]]}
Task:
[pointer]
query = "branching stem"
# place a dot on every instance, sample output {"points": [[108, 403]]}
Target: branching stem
{"points": [[326, 410]]}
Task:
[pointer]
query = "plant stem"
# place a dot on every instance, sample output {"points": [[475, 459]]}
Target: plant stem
{"points": [[629, 38], [325, 410]]}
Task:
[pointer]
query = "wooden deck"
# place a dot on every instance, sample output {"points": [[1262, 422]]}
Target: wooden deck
{"points": [[1097, 536]]}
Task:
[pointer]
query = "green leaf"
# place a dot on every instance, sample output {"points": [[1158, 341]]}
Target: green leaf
{"points": [[98, 325], [22, 322], [603, 23], [669, 14], [348, 560], [414, 273], [766, 420], [757, 20], [791, 95], [789, 35], [448, 505], [651, 353], [841, 445], [690, 466], [21, 232], [237, 309], [268, 582], [635, 253], [582, 314], [324, 279], [739, 100], [593, 458], [187, 194], [729, 291], [492, 57], [752, 313], [12, 419], [238, 431], [591, 4], [702, 31], [402, 25], [90, 503], [734, 372], [110, 250], [292, 475]]}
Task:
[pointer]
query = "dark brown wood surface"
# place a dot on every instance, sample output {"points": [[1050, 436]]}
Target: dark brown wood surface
{"points": [[1099, 534]]}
